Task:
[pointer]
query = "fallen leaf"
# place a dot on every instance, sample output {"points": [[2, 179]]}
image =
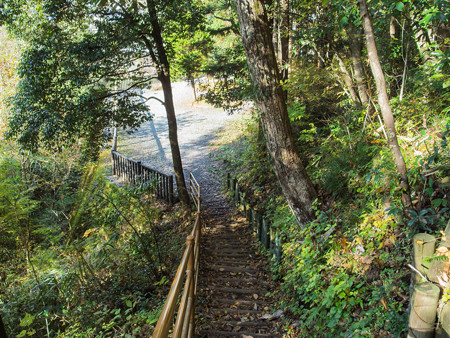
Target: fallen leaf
{"points": [[272, 316], [383, 301], [255, 296]]}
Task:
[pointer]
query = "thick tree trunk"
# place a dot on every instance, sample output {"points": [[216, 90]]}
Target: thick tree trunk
{"points": [[163, 69], [358, 68], [257, 41], [383, 101]]}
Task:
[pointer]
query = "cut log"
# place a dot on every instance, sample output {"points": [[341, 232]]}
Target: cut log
{"points": [[422, 317], [423, 248]]}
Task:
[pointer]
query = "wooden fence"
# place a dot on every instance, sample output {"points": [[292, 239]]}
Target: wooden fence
{"points": [[135, 172], [269, 236], [184, 325]]}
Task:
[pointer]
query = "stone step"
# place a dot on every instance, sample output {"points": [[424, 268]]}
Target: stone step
{"points": [[232, 311], [259, 292], [218, 333], [226, 268]]}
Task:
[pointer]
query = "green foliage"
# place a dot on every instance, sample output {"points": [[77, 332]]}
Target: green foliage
{"points": [[231, 83], [345, 273], [99, 266], [76, 59]]}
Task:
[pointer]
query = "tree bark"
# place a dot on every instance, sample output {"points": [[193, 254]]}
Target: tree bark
{"points": [[348, 82], [383, 101], [163, 69], [284, 39], [355, 48], [262, 63]]}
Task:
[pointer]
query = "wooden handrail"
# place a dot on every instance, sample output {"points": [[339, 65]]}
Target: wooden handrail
{"points": [[184, 324]]}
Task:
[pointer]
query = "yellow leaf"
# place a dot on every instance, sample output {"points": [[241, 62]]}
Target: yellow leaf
{"points": [[392, 239], [420, 242], [87, 232]]}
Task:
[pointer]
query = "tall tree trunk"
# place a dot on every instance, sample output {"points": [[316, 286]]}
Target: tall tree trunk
{"points": [[114, 143], [348, 83], [284, 26], [192, 81], [383, 101], [262, 63], [358, 68], [163, 69]]}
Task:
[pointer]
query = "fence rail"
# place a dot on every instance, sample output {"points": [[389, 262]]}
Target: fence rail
{"points": [[184, 325], [194, 191], [136, 172], [268, 235]]}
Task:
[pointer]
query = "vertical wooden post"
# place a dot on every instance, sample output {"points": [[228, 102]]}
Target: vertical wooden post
{"points": [[236, 191], [171, 189], [228, 181], [252, 220], [424, 304], [423, 246], [113, 169], [258, 226], [139, 172], [265, 239], [444, 318]]}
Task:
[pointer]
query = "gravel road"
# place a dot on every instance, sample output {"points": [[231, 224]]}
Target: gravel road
{"points": [[198, 124]]}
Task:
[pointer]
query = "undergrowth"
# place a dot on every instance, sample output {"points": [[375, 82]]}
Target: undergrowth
{"points": [[81, 256], [346, 272]]}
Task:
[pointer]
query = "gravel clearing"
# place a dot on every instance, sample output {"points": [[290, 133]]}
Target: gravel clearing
{"points": [[198, 125]]}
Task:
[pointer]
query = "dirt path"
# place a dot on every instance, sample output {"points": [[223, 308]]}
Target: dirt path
{"points": [[198, 124]]}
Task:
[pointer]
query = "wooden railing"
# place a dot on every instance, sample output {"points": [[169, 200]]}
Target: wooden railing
{"points": [[184, 325], [269, 236], [194, 191], [135, 172]]}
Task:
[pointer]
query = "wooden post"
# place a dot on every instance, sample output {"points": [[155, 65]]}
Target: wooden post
{"points": [[258, 226], [444, 319], [422, 317], [113, 169], [139, 171], [252, 220], [236, 191], [277, 250], [228, 181], [423, 247], [171, 189], [265, 236]]}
